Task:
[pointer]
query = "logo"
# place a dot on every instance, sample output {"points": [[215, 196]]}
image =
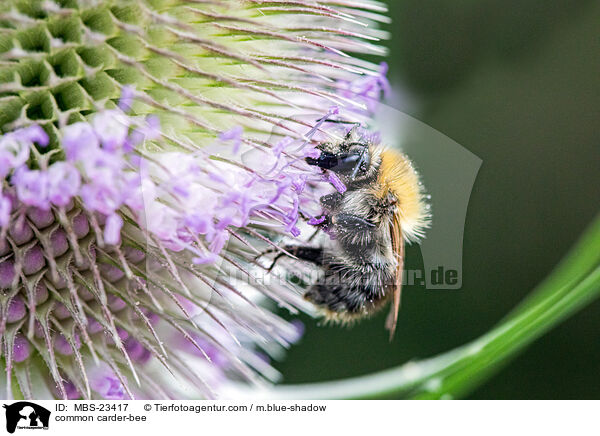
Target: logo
{"points": [[26, 415]]}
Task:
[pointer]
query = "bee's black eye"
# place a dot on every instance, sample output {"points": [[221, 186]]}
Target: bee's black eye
{"points": [[352, 162], [325, 160], [347, 162]]}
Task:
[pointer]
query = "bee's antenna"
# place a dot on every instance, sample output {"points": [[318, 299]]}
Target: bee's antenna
{"points": [[359, 163], [330, 120]]}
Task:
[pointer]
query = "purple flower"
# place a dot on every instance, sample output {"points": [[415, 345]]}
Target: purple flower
{"points": [[369, 89], [108, 386], [312, 151], [79, 139], [200, 222], [33, 133], [218, 241], [299, 183], [127, 96], [13, 153], [5, 209], [316, 221], [71, 391], [63, 183], [112, 229], [102, 166], [32, 187], [162, 221], [149, 130], [111, 127], [334, 110], [281, 146], [336, 182], [15, 147], [133, 190], [235, 135], [100, 198]]}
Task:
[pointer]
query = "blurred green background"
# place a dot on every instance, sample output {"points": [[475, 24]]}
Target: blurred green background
{"points": [[518, 84]]}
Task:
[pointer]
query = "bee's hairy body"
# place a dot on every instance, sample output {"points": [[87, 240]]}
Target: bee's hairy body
{"points": [[362, 261]]}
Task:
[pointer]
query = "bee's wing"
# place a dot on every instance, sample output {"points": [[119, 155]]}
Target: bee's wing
{"points": [[396, 287]]}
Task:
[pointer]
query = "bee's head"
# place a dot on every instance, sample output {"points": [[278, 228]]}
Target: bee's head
{"points": [[352, 160]]}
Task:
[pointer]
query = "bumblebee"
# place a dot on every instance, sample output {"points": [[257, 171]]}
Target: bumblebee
{"points": [[382, 207]]}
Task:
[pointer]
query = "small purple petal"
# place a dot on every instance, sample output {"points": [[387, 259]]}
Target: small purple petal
{"points": [[34, 133], [71, 390], [219, 241], [126, 100], [311, 151], [14, 152], [299, 183], [79, 140], [204, 260], [5, 210], [64, 181], [336, 182], [111, 127], [112, 229], [235, 135], [281, 146], [316, 221], [103, 198], [108, 387], [32, 187], [137, 351], [122, 333]]}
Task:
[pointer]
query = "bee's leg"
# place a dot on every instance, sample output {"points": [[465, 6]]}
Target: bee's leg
{"points": [[306, 253], [279, 256], [355, 124], [331, 201]]}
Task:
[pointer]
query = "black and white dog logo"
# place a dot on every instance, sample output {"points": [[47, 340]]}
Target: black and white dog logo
{"points": [[26, 415]]}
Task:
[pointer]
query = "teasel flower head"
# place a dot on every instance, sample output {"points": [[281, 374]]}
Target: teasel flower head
{"points": [[149, 151]]}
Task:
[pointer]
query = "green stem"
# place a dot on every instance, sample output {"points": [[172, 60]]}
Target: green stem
{"points": [[574, 284]]}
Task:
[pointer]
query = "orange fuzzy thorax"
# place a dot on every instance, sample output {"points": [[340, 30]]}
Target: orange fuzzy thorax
{"points": [[398, 177]]}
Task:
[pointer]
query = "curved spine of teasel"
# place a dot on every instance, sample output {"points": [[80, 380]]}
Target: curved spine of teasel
{"points": [[108, 320]]}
